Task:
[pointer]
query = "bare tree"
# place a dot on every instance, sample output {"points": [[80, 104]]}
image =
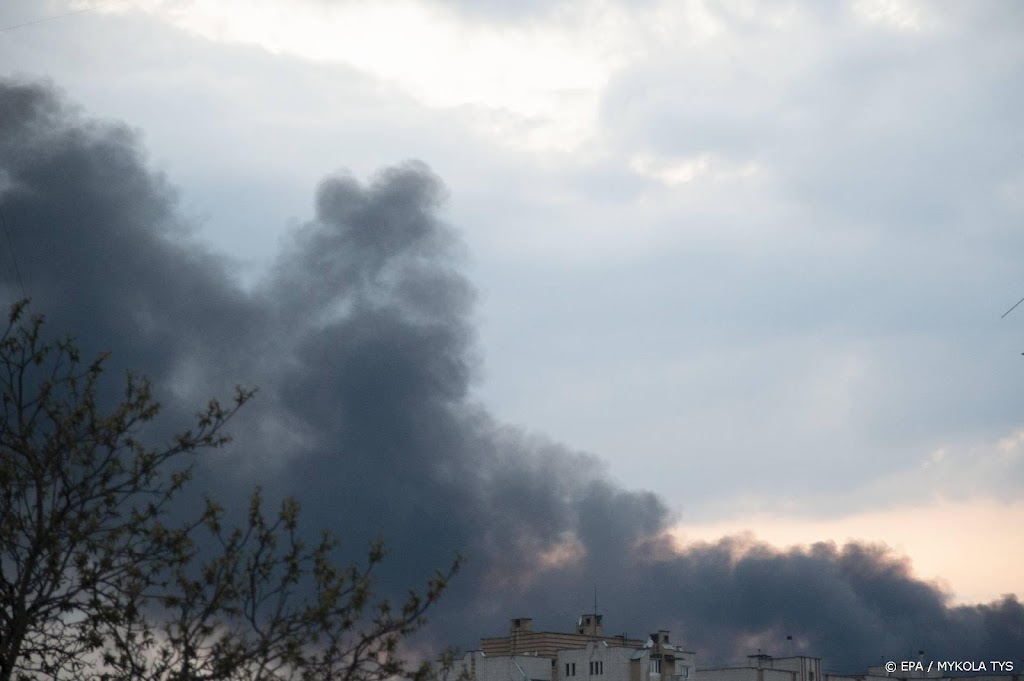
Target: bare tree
{"points": [[94, 582], [266, 606]]}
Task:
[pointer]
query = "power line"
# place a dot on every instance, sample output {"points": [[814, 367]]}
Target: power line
{"points": [[1013, 308], [39, 21]]}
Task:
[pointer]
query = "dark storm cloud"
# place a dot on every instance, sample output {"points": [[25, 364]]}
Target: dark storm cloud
{"points": [[361, 341]]}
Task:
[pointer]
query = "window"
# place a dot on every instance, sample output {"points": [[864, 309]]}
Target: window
{"points": [[655, 666], [570, 669], [596, 667]]}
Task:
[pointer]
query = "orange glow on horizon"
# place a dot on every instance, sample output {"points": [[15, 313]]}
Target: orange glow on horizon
{"points": [[970, 549]]}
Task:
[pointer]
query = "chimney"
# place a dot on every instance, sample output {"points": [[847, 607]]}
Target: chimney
{"points": [[520, 625], [589, 624]]}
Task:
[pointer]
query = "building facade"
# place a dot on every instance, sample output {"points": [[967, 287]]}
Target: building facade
{"points": [[585, 654], [763, 667]]}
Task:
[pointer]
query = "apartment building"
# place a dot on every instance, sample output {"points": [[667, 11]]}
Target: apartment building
{"points": [[587, 654], [660, 660], [584, 654], [761, 667]]}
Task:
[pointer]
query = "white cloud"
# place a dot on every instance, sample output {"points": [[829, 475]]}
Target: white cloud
{"points": [[900, 15], [536, 85], [683, 171]]}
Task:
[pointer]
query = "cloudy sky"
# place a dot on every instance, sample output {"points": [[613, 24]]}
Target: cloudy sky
{"points": [[654, 296]]}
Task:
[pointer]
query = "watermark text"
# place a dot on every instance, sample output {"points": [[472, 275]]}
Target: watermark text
{"points": [[950, 666]]}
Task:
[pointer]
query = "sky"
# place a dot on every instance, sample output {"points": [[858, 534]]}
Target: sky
{"points": [[698, 303]]}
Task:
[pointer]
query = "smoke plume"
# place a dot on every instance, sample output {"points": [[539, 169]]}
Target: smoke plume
{"points": [[360, 339]]}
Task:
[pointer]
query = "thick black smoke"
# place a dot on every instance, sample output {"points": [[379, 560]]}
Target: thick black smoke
{"points": [[361, 341]]}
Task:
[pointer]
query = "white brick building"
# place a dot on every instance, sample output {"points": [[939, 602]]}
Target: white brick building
{"points": [[763, 667], [583, 655]]}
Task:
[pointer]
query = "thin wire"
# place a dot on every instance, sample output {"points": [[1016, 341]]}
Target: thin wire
{"points": [[39, 21], [1013, 308], [14, 258]]}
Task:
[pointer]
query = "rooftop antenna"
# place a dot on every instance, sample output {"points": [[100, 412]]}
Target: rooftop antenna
{"points": [[595, 601]]}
